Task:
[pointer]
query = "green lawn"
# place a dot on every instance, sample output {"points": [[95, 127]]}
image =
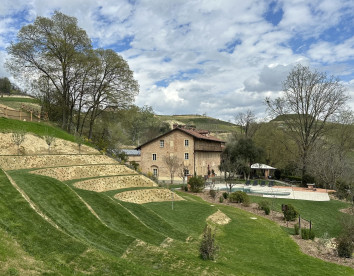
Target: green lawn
{"points": [[40, 129], [130, 239], [5, 100], [324, 215], [202, 122]]}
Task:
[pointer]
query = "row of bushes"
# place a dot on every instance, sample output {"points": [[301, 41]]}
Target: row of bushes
{"points": [[306, 234]]}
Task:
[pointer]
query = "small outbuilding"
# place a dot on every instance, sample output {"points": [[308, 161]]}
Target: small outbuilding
{"points": [[262, 170]]}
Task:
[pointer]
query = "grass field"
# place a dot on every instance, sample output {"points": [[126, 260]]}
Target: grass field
{"points": [[18, 99], [202, 122], [40, 129], [17, 102], [324, 215], [132, 239]]}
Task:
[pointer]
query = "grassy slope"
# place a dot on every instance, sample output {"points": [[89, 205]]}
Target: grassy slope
{"points": [[16, 103], [257, 247], [247, 246], [63, 206], [202, 122], [325, 215], [5, 100], [40, 129]]}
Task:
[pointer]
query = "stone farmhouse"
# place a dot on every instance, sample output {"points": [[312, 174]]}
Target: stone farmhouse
{"points": [[197, 151]]}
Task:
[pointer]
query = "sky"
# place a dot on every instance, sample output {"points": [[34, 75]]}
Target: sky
{"points": [[213, 57]]}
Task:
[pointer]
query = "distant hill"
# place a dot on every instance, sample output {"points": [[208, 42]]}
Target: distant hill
{"points": [[219, 128]]}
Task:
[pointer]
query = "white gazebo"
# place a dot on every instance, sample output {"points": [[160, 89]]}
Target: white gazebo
{"points": [[265, 169]]}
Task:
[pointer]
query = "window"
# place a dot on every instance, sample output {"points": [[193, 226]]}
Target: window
{"points": [[155, 172], [162, 143], [186, 143], [154, 156], [186, 172], [186, 156]]}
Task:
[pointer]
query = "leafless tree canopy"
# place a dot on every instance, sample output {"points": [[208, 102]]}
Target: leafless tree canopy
{"points": [[310, 99], [173, 164], [18, 138], [247, 122]]}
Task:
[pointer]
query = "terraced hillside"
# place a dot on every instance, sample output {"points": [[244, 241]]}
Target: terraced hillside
{"points": [[219, 128], [83, 214]]}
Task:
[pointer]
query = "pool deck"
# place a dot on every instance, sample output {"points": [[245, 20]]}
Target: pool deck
{"points": [[281, 192]]}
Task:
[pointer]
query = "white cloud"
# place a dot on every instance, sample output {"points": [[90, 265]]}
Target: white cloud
{"points": [[330, 52], [235, 57]]}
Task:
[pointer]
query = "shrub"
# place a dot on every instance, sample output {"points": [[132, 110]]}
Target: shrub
{"points": [[307, 234], [246, 201], [239, 197], [263, 204], [312, 235], [290, 213], [344, 190], [212, 193], [266, 210], [221, 199], [196, 184], [308, 178], [296, 229], [225, 195], [208, 249], [345, 247], [277, 174]]}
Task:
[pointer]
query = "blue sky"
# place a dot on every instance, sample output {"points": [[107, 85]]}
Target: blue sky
{"points": [[207, 57]]}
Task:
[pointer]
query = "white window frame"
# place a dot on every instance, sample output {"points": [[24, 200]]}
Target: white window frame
{"points": [[154, 156], [155, 172], [186, 143], [162, 143], [186, 156], [186, 172]]}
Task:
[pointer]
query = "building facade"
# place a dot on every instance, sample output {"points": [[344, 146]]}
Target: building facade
{"points": [[197, 153]]}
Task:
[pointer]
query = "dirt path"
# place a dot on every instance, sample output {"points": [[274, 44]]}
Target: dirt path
{"points": [[323, 249]]}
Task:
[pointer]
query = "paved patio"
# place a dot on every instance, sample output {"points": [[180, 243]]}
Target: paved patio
{"points": [[279, 192]]}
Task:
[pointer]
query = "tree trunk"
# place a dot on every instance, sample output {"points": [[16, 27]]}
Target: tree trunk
{"points": [[304, 168]]}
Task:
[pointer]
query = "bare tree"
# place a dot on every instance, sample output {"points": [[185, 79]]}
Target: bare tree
{"points": [[329, 159], [310, 99], [247, 122], [182, 172], [49, 139], [173, 164], [78, 139], [18, 138]]}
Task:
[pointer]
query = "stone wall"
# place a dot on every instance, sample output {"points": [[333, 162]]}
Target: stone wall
{"points": [[17, 162], [115, 183], [148, 195], [173, 144], [78, 172]]}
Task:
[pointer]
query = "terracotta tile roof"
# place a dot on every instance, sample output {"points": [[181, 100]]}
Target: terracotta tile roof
{"points": [[198, 134]]}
